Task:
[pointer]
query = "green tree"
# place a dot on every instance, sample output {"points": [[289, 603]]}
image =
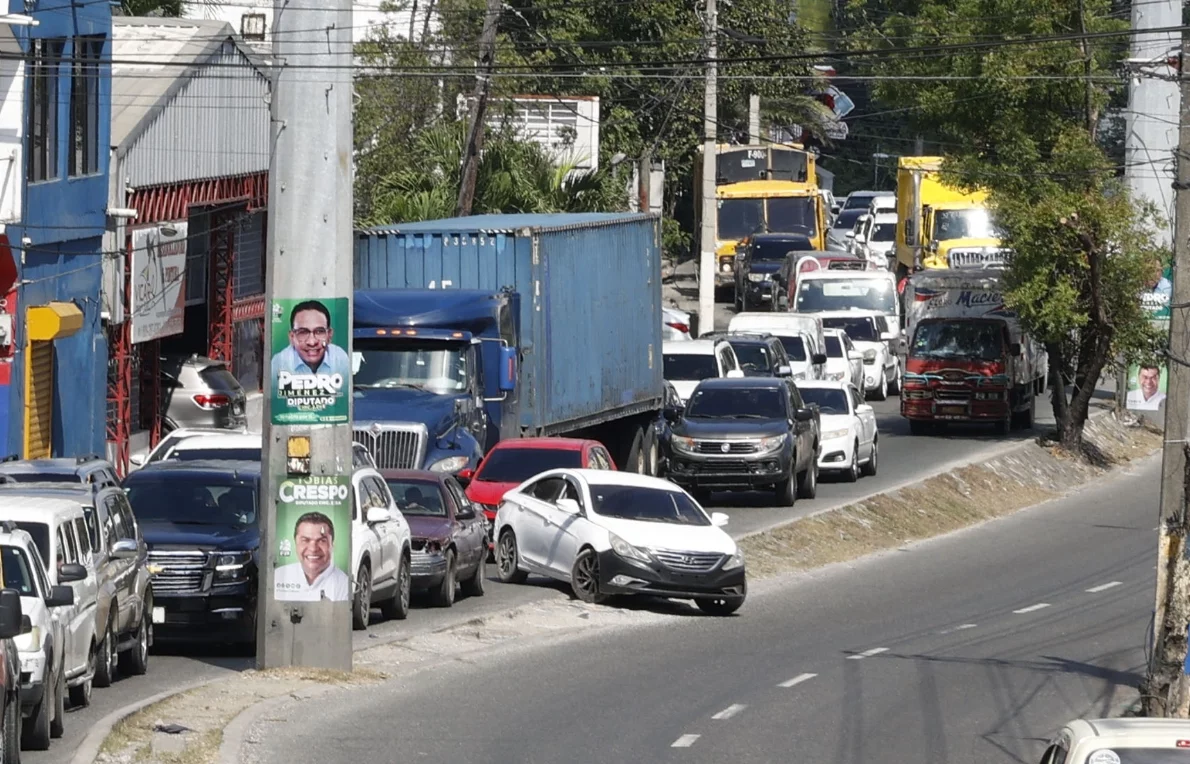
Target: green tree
{"points": [[1020, 119]]}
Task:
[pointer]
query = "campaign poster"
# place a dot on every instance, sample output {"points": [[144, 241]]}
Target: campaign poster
{"points": [[1155, 299], [311, 370], [313, 538], [1146, 387]]}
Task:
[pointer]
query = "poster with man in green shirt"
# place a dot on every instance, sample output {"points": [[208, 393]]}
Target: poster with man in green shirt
{"points": [[311, 370]]}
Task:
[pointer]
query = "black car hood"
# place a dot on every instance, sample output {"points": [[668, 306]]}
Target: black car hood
{"points": [[765, 266], [730, 428], [163, 535]]}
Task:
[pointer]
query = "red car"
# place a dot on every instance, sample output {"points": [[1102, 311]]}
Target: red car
{"points": [[512, 462]]}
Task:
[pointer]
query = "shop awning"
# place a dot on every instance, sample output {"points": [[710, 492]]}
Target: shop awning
{"points": [[53, 321]]}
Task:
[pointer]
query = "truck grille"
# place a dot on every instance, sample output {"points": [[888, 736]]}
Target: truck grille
{"points": [[977, 258], [394, 447], [178, 572], [733, 447], [689, 562]]}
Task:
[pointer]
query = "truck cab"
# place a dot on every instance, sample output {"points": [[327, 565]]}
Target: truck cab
{"points": [[434, 375], [961, 235]]}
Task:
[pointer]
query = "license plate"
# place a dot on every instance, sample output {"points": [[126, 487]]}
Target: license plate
{"points": [[952, 410], [158, 615]]}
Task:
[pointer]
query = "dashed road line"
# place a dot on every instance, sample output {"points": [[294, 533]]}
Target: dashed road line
{"points": [[1031, 608], [1103, 587], [960, 627], [797, 680], [685, 741], [729, 712], [867, 653]]}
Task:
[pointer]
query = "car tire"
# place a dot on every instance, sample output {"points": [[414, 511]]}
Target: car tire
{"points": [[80, 694], [881, 391], [107, 659], [361, 603], [12, 730], [807, 483], [584, 578], [444, 595], [508, 559], [397, 608], [473, 586], [135, 660], [724, 606], [869, 468], [852, 473], [894, 387], [784, 492], [58, 709], [36, 733]]}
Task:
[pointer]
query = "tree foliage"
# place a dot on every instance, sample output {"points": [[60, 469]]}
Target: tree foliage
{"points": [[1021, 120]]}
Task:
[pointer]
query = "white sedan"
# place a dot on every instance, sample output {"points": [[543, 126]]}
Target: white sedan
{"points": [[850, 442], [844, 363], [609, 533]]}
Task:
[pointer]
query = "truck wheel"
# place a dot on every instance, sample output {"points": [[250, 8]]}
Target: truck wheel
{"points": [[1004, 426], [652, 451], [918, 427], [635, 462], [807, 483], [1024, 419]]}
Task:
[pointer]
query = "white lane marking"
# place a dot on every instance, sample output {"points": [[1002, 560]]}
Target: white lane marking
{"points": [[685, 741], [729, 712], [797, 680], [960, 627], [867, 653], [1031, 608], [1103, 587]]}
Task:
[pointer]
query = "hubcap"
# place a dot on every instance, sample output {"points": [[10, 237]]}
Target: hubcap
{"points": [[587, 574], [405, 579], [507, 561]]}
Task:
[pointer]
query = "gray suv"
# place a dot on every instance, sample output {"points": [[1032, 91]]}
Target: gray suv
{"points": [[201, 392], [84, 470]]}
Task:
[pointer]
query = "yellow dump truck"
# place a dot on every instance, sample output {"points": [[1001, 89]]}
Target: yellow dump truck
{"points": [[940, 226]]}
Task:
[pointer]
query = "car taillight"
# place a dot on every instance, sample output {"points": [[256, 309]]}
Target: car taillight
{"points": [[210, 402], [680, 327]]}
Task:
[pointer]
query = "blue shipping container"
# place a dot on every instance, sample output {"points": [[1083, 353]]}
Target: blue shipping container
{"points": [[590, 287]]}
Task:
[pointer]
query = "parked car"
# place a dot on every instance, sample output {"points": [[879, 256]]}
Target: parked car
{"points": [[85, 470], [609, 533], [685, 364], [675, 324], [844, 362], [759, 354], [381, 550], [759, 258], [449, 534], [13, 623], [736, 435], [512, 462], [201, 392], [1130, 740], [850, 443], [42, 650]]}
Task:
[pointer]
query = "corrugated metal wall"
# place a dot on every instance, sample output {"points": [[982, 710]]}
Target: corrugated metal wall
{"points": [[249, 262], [232, 98]]}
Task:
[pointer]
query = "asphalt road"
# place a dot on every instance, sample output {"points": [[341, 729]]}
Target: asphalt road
{"points": [[971, 648]]}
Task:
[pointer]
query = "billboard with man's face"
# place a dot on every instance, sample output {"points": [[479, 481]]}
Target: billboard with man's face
{"points": [[1146, 387], [311, 369], [313, 552]]}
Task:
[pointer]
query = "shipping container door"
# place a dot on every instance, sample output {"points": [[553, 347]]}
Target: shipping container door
{"points": [[39, 399]]}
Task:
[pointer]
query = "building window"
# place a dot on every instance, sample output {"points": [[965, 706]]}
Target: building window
{"points": [[84, 106], [42, 163], [252, 26]]}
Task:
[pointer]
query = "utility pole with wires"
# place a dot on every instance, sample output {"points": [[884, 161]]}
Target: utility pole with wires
{"points": [[479, 106], [710, 211], [1166, 691]]}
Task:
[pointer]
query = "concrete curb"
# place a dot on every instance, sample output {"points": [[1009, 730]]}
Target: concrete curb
{"points": [[236, 731], [88, 750]]}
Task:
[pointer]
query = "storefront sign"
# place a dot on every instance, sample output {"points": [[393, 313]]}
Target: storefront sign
{"points": [[313, 551], [310, 370], [158, 281]]}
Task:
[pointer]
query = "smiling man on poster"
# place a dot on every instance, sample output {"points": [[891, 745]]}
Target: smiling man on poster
{"points": [[314, 576], [311, 372]]}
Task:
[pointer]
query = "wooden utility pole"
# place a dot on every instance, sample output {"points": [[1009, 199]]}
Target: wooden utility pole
{"points": [[1166, 690], [483, 86], [710, 210]]}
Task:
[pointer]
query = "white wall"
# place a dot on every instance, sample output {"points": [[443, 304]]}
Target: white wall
{"points": [[366, 15], [12, 128]]}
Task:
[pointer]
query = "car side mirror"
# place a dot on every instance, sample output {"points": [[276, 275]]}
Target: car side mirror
{"points": [[863, 408], [671, 414], [507, 369], [784, 370], [855, 355], [465, 513], [12, 620], [888, 336], [1015, 349], [138, 460], [60, 596], [125, 549], [735, 374], [570, 506], [378, 515], [803, 415], [818, 358], [71, 572], [849, 235], [719, 519], [465, 474]]}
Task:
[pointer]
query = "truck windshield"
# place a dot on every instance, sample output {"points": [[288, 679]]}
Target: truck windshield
{"points": [[737, 403], [434, 366], [794, 215], [689, 367], [861, 329], [739, 218], [818, 295], [959, 339], [516, 465], [192, 499], [974, 223]]}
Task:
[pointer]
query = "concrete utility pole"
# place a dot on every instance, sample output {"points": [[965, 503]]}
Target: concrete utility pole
{"points": [[710, 210], [483, 86], [1166, 690], [1152, 118], [310, 242], [754, 119]]}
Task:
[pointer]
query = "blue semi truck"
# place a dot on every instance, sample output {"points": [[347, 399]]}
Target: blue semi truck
{"points": [[469, 331]]}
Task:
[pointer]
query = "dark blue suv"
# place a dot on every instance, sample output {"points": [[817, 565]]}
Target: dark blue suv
{"points": [[200, 520]]}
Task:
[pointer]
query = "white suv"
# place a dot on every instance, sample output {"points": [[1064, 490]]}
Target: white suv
{"points": [[381, 549], [685, 364], [42, 649]]}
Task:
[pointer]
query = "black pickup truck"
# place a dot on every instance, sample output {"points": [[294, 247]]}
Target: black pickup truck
{"points": [[746, 434]]}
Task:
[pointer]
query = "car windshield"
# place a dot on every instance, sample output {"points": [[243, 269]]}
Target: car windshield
{"points": [[829, 401], [796, 215], [737, 403], [834, 348], [192, 499], [752, 357], [42, 477], [18, 571], [858, 329], [516, 465], [739, 218], [41, 536], [650, 505], [795, 348], [846, 220], [689, 367], [951, 339], [417, 497], [438, 367], [1140, 755], [883, 232], [858, 202], [819, 295], [199, 454], [974, 223], [775, 251]]}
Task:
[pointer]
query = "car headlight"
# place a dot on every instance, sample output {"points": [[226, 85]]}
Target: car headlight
{"points": [[231, 566], [757, 277], [626, 550], [772, 443], [837, 376], [832, 434], [869, 356], [682, 443], [29, 643], [449, 464], [735, 561]]}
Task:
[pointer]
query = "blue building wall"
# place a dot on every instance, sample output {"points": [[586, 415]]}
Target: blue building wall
{"points": [[64, 220]]}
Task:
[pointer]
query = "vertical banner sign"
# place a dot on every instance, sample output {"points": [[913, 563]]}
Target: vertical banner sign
{"points": [[313, 538], [311, 371], [1146, 384]]}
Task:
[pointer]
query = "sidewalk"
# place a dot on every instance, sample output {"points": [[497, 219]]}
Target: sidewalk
{"points": [[680, 291]]}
